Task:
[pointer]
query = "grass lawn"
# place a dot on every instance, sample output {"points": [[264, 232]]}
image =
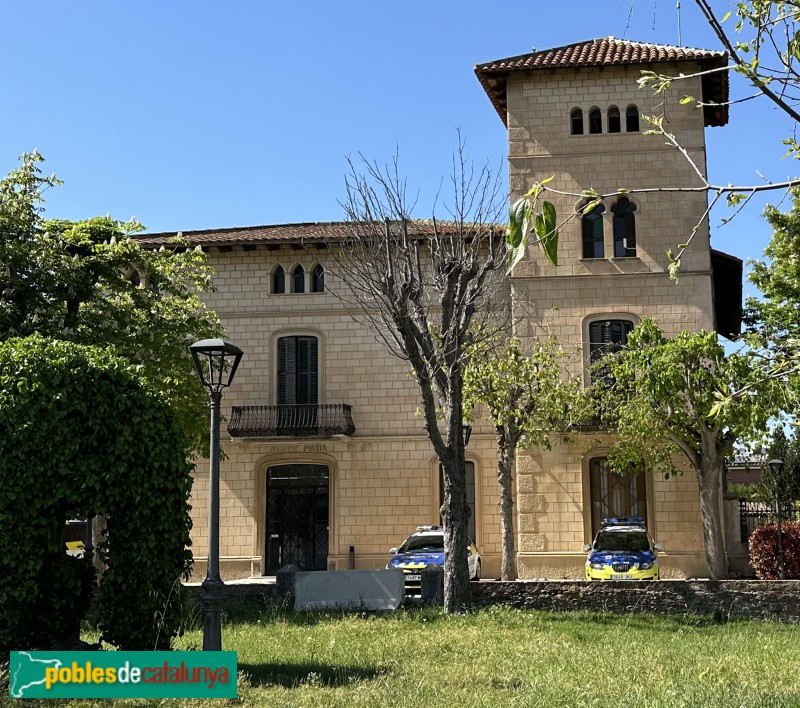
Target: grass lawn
{"points": [[500, 657]]}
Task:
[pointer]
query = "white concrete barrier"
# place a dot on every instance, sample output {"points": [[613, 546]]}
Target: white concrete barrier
{"points": [[349, 589]]}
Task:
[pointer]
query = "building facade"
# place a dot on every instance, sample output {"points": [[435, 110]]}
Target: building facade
{"points": [[328, 462]]}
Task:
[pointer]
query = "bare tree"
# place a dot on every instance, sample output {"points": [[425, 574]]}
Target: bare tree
{"points": [[430, 289]]}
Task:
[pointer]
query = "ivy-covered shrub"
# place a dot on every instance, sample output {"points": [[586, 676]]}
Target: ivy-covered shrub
{"points": [[83, 433], [764, 551]]}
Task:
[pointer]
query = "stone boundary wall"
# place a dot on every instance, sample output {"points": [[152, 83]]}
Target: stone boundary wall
{"points": [[733, 599]]}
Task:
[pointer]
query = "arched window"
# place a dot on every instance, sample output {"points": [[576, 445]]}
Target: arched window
{"points": [[135, 278], [592, 229], [318, 280], [279, 281], [607, 337], [614, 123], [632, 119], [298, 280], [595, 121], [298, 377], [624, 228], [576, 121], [614, 495]]}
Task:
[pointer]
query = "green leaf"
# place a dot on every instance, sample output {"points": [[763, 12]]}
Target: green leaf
{"points": [[726, 16], [548, 233], [687, 99], [515, 255], [591, 205], [516, 220]]}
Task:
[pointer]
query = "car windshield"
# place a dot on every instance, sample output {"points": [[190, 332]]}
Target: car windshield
{"points": [[433, 543], [621, 541]]}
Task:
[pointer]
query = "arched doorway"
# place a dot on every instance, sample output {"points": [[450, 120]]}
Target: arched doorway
{"points": [[297, 517]]}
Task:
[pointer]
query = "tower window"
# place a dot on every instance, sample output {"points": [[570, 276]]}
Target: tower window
{"points": [[576, 121], [607, 337], [592, 231], [595, 121], [614, 123], [632, 119], [624, 228]]}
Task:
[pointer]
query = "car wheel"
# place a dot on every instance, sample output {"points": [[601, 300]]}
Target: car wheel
{"points": [[477, 575]]}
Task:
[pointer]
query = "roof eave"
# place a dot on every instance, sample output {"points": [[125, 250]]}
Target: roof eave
{"points": [[715, 85]]}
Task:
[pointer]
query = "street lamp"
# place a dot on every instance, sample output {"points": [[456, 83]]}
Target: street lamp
{"points": [[216, 362], [775, 470], [466, 431]]}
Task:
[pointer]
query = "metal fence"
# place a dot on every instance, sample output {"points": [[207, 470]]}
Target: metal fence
{"points": [[754, 514]]}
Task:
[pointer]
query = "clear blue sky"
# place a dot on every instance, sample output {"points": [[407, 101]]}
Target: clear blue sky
{"points": [[191, 115]]}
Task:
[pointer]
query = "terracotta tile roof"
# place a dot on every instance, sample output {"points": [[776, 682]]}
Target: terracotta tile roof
{"points": [[278, 234], [607, 51]]}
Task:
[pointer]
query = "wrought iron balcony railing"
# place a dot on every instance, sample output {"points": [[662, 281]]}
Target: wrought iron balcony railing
{"points": [[298, 421]]}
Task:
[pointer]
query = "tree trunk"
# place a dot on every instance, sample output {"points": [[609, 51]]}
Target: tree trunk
{"points": [[506, 446], [709, 477], [455, 514]]}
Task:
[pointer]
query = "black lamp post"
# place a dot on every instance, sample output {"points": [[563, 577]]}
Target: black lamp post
{"points": [[775, 470], [216, 361], [466, 431]]}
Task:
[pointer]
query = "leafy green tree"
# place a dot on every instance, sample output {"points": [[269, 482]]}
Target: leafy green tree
{"points": [[785, 484], [528, 396], [20, 199], [83, 432], [90, 282], [773, 320], [661, 395]]}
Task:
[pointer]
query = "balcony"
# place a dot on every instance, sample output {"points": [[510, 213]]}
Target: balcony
{"points": [[293, 421]]}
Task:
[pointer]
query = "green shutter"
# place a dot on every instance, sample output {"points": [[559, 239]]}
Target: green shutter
{"points": [[287, 370]]}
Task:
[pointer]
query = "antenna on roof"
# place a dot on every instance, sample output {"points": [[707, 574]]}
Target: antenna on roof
{"points": [[678, 8]]}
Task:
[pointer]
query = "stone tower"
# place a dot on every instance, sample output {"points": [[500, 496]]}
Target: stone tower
{"points": [[576, 114]]}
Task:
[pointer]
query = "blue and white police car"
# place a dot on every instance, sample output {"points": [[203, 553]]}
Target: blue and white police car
{"points": [[622, 550], [424, 547]]}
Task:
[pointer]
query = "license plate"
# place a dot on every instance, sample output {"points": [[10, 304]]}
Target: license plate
{"points": [[413, 578], [621, 576]]}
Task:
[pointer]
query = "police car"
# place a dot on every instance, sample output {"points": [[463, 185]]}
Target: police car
{"points": [[622, 550], [424, 547]]}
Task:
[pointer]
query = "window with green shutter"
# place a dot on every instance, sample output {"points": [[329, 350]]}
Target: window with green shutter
{"points": [[592, 229], [607, 337], [298, 376]]}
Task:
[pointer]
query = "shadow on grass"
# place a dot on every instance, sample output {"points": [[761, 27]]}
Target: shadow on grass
{"points": [[309, 673]]}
